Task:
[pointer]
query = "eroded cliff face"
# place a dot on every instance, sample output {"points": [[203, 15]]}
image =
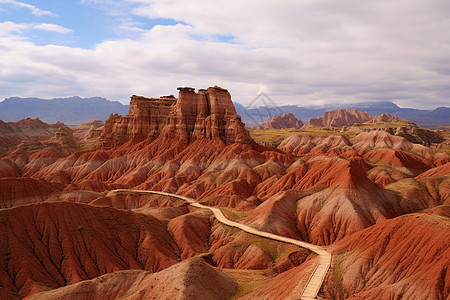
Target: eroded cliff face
{"points": [[285, 121], [208, 114], [338, 118]]}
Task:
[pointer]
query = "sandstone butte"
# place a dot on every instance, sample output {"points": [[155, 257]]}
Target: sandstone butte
{"points": [[278, 122], [378, 201], [207, 114], [346, 117]]}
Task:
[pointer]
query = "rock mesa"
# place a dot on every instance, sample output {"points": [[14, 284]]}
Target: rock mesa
{"points": [[278, 122], [208, 114]]}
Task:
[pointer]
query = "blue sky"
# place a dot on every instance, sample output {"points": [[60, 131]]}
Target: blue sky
{"points": [[297, 51], [90, 23]]}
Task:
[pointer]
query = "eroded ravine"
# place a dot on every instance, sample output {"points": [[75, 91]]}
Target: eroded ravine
{"points": [[317, 277]]}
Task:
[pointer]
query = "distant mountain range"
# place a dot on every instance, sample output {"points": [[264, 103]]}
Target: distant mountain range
{"points": [[72, 110], [253, 116], [76, 110]]}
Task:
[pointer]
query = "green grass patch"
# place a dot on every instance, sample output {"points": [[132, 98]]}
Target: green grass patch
{"points": [[45, 286], [438, 218], [276, 250], [272, 135], [229, 230], [321, 132], [234, 214], [375, 126], [87, 144], [405, 184], [248, 281], [433, 152], [276, 136], [208, 200], [337, 273]]}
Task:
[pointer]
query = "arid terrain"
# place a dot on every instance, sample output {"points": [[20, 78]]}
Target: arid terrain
{"points": [[373, 191]]}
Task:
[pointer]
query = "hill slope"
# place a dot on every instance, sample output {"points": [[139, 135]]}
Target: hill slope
{"points": [[186, 280], [403, 258]]}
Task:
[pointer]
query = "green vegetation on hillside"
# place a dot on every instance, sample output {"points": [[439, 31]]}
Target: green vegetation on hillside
{"points": [[375, 126], [276, 136]]}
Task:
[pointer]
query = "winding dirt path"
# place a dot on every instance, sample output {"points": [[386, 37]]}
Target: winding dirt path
{"points": [[317, 277]]}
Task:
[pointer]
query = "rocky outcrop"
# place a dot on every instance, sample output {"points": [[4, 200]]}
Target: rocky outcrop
{"points": [[361, 121], [278, 122], [13, 133], [50, 245], [64, 137], [146, 118], [338, 118], [418, 135], [403, 258], [23, 191], [347, 117], [208, 114], [405, 129], [89, 130], [384, 118], [313, 187], [192, 279]]}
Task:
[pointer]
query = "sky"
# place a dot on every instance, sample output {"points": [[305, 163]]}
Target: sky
{"points": [[304, 52]]}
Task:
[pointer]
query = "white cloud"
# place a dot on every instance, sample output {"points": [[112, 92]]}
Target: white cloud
{"points": [[7, 28], [305, 52], [34, 10], [10, 27], [52, 27]]}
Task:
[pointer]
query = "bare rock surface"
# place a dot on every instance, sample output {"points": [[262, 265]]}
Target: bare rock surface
{"points": [[191, 279], [406, 257], [338, 118], [13, 133], [208, 114], [278, 122], [55, 244]]}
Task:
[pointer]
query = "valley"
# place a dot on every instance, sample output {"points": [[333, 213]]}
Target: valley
{"points": [[347, 206]]}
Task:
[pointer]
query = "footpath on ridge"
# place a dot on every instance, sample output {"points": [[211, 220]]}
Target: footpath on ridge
{"points": [[317, 277]]}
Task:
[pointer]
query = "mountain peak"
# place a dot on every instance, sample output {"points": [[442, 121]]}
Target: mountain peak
{"points": [[72, 110]]}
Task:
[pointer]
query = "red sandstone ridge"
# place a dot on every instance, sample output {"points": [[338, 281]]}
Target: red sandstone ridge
{"points": [[54, 244], [22, 191], [404, 258], [89, 130], [294, 206], [347, 117], [192, 279], [285, 121], [384, 118], [208, 114], [338, 118], [323, 190], [12, 133]]}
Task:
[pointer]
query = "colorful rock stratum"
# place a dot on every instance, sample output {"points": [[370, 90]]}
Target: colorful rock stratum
{"points": [[378, 202]]}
